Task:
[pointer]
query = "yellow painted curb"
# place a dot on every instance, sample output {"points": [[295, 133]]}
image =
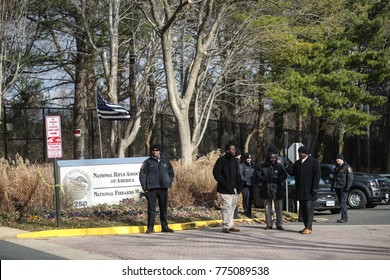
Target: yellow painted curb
{"points": [[117, 230]]}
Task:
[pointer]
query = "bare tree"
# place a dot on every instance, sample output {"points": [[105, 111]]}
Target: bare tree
{"points": [[17, 35], [207, 62], [120, 56]]}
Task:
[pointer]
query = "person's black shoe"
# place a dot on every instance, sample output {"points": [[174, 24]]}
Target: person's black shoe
{"points": [[250, 216], [149, 231], [341, 221], [279, 228], [167, 230]]}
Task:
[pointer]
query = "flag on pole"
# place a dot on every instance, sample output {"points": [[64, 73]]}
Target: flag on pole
{"points": [[110, 111]]}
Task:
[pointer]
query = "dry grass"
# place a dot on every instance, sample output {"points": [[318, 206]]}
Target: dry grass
{"points": [[27, 198], [194, 184], [28, 189], [22, 188]]}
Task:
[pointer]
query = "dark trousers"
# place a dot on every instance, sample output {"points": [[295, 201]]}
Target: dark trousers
{"points": [[307, 211], [247, 198], [162, 196], [342, 198]]}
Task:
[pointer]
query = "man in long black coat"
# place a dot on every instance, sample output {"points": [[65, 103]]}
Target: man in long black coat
{"points": [[307, 174]]}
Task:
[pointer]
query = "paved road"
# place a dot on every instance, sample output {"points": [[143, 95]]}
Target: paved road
{"points": [[329, 241], [12, 248], [253, 242], [379, 215]]}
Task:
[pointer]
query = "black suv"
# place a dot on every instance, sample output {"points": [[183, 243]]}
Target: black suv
{"points": [[367, 190]]}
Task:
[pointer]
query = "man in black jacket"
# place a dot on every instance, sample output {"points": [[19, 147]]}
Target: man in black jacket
{"points": [[156, 176], [307, 174], [341, 183], [226, 172], [247, 171], [272, 176]]}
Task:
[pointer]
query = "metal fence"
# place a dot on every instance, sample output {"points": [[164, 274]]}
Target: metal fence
{"points": [[24, 134]]}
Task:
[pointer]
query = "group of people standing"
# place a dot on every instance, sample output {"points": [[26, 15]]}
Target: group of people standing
{"points": [[235, 175]]}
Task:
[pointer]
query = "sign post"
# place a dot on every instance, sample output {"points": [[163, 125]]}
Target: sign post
{"points": [[54, 150], [285, 156], [292, 154], [53, 137]]}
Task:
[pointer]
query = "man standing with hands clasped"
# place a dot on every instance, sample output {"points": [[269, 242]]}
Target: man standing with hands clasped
{"points": [[341, 183], [156, 177]]}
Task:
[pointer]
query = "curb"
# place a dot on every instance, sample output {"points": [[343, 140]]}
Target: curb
{"points": [[119, 230]]}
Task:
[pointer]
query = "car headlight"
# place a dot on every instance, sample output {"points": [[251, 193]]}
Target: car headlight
{"points": [[372, 184]]}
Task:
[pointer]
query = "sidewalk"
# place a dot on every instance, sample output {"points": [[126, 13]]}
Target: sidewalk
{"points": [[13, 248], [7, 232], [328, 242]]}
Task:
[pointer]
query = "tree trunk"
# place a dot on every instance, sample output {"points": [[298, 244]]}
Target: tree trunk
{"points": [[83, 67], [180, 106], [279, 126], [341, 132], [387, 132], [152, 120], [260, 132], [1, 78], [248, 138], [163, 18], [299, 125], [321, 135], [185, 141]]}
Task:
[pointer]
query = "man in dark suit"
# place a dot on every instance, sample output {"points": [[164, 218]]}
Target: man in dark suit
{"points": [[307, 174]]}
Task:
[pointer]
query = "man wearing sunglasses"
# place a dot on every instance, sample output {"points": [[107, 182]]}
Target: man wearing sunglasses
{"points": [[156, 177]]}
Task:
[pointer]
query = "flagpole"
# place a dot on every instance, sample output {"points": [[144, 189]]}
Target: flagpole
{"points": [[100, 131]]}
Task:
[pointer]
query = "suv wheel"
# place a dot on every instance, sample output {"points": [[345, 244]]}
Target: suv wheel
{"points": [[357, 199]]}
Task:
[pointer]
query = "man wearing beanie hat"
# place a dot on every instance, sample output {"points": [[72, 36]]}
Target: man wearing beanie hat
{"points": [[237, 155], [247, 170], [341, 183], [303, 150], [226, 172], [281, 160], [156, 176], [272, 176], [307, 174], [340, 156]]}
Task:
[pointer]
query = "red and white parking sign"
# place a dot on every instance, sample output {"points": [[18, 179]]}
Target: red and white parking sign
{"points": [[53, 137]]}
